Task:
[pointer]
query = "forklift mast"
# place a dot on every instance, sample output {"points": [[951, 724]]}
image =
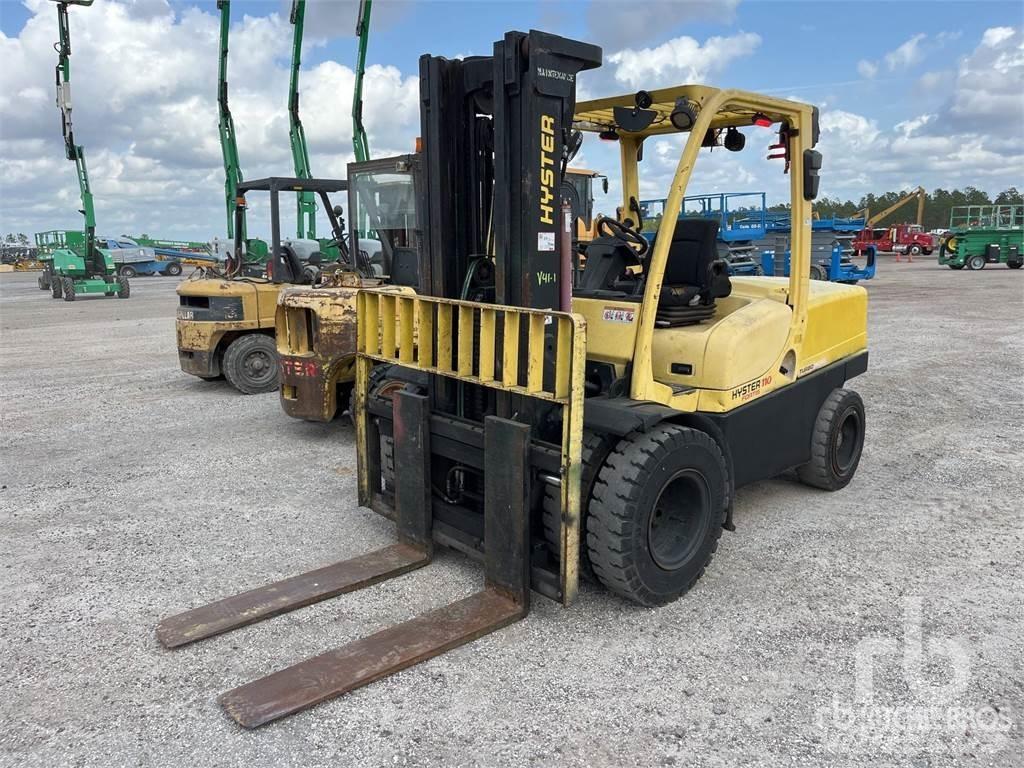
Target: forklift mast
{"points": [[359, 140], [94, 262], [494, 130], [305, 221], [228, 145]]}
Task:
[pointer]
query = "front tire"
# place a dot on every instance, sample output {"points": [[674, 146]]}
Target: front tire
{"points": [[656, 513], [68, 289], [836, 442], [956, 266], [173, 269], [818, 272], [250, 364], [56, 286], [127, 271], [976, 262], [124, 290]]}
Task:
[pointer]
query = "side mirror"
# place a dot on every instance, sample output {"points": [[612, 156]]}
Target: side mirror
{"points": [[812, 164]]}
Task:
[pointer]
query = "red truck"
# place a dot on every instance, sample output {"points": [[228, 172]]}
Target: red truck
{"points": [[902, 239]]}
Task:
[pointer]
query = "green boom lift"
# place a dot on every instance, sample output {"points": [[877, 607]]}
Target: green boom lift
{"points": [[256, 250], [79, 266], [362, 146], [305, 219], [306, 212]]}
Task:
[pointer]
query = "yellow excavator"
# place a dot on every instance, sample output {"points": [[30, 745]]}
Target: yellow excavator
{"points": [[549, 417]]}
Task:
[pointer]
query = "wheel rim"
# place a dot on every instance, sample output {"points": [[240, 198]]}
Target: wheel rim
{"points": [[678, 520], [259, 367], [977, 262], [845, 442]]}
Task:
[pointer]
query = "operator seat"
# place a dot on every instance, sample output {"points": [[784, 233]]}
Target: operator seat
{"points": [[694, 275], [289, 264]]}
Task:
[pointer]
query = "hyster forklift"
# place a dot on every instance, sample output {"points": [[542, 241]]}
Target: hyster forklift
{"points": [[547, 425], [80, 266]]}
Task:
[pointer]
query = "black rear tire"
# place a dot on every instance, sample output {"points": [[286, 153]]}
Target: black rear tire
{"points": [[124, 290], [595, 450], [250, 364], [836, 443], [43, 282], [1015, 264], [818, 272], [67, 288], [656, 513]]}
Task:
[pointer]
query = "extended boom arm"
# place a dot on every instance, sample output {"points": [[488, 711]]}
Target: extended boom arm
{"points": [[94, 262], [306, 213], [919, 193], [359, 140], [228, 146]]}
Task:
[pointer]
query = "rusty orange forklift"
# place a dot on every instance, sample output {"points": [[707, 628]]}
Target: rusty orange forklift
{"points": [[546, 420]]}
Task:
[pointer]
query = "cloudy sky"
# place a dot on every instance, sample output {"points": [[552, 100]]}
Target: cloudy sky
{"points": [[911, 93]]}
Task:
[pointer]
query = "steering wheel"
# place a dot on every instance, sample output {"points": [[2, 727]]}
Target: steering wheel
{"points": [[629, 235]]}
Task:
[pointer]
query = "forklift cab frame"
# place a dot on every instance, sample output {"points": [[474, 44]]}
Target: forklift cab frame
{"points": [[279, 265], [715, 110]]}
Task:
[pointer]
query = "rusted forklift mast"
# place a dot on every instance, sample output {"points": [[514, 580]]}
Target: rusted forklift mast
{"points": [[488, 381]]}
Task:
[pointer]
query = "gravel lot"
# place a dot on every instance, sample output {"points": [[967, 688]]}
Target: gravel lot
{"points": [[132, 491]]}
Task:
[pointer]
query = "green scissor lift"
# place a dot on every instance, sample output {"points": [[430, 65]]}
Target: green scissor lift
{"points": [[984, 234], [77, 266]]}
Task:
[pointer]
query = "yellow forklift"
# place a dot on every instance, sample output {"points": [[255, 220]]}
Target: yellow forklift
{"points": [[225, 319], [548, 418]]}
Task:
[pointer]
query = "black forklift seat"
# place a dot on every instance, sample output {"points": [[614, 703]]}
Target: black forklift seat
{"points": [[290, 264], [694, 275]]}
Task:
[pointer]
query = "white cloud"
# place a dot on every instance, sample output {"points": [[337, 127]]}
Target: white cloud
{"points": [[988, 92], [996, 35], [145, 110], [680, 60], [906, 55], [867, 69], [612, 23]]}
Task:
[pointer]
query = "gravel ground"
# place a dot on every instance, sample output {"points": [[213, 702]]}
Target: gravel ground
{"points": [[881, 625]]}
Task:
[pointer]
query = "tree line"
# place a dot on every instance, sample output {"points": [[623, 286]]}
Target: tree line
{"points": [[937, 205], [20, 239]]}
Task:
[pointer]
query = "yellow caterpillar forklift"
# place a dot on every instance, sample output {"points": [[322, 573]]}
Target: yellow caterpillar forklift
{"points": [[316, 324], [547, 419], [225, 319]]}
